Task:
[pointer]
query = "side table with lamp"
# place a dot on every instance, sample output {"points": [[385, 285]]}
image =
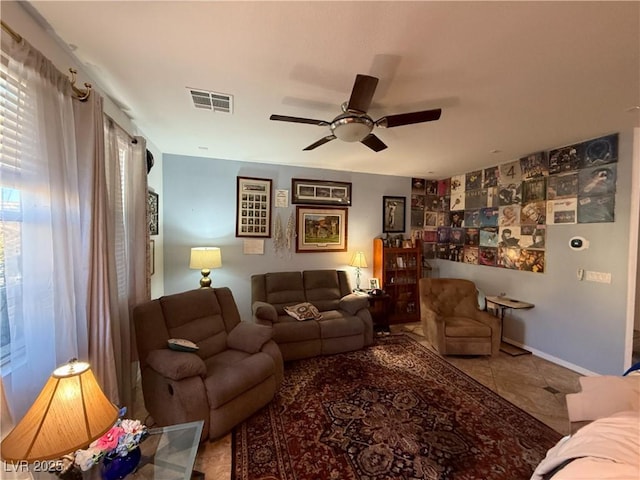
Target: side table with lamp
{"points": [[359, 261], [69, 413]]}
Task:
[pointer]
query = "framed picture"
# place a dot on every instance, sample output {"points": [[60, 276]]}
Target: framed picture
{"points": [[152, 212], [374, 283], [321, 229], [152, 257], [320, 192], [253, 210], [393, 214]]}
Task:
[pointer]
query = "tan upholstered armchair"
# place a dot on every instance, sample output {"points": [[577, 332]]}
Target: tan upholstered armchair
{"points": [[452, 321]]}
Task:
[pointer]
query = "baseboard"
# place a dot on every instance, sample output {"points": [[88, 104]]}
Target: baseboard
{"points": [[551, 358]]}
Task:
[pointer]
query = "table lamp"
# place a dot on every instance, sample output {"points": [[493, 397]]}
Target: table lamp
{"points": [[204, 259], [359, 261], [70, 412]]}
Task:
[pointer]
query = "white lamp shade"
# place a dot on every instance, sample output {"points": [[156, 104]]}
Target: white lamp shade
{"points": [[358, 260], [205, 258], [70, 412]]}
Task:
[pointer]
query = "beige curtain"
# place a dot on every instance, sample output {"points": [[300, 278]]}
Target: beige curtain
{"points": [[118, 279]]}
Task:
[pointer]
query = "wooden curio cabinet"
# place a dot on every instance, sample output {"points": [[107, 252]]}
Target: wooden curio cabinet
{"points": [[399, 270]]}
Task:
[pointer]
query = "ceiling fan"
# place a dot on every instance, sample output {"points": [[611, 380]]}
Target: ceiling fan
{"points": [[354, 125]]}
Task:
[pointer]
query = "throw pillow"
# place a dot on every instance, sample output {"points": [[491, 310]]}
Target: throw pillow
{"points": [[182, 345], [303, 311]]}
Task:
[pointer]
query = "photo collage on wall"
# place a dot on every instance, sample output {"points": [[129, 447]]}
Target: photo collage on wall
{"points": [[498, 216]]}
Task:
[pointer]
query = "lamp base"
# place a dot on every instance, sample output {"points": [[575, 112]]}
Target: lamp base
{"points": [[205, 281]]}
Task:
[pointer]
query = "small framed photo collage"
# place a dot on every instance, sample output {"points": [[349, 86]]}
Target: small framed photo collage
{"points": [[498, 216], [253, 207]]}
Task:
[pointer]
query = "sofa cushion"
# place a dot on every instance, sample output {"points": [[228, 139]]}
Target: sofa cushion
{"points": [[196, 315], [287, 329], [336, 323], [284, 288], [603, 395], [322, 287], [465, 327], [303, 311]]}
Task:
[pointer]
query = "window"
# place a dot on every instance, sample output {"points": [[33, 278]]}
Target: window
{"points": [[11, 334]]}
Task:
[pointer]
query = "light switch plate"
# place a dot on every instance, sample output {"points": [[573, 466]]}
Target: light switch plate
{"points": [[600, 277]]}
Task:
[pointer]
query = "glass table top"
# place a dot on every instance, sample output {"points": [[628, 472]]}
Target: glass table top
{"points": [[168, 453]]}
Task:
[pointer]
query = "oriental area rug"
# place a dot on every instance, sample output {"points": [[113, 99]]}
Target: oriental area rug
{"points": [[394, 410]]}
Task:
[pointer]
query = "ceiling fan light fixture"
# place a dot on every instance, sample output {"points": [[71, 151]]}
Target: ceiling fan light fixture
{"points": [[351, 128], [354, 124]]}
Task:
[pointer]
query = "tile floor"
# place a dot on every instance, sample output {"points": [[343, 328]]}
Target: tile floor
{"points": [[532, 383]]}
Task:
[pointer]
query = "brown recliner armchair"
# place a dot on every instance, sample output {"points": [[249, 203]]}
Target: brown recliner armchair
{"points": [[452, 321], [236, 370]]}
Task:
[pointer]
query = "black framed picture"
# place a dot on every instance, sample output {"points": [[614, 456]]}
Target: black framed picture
{"points": [[393, 214], [152, 212], [320, 192], [253, 209]]}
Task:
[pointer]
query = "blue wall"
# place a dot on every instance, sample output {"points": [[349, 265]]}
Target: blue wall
{"points": [[577, 323], [200, 207]]}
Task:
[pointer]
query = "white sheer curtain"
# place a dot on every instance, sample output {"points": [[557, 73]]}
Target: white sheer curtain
{"points": [[45, 266], [73, 236]]}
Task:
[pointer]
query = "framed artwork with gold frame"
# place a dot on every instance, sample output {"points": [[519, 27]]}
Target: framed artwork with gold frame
{"points": [[321, 229]]}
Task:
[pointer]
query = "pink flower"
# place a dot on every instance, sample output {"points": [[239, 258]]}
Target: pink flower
{"points": [[109, 440]]}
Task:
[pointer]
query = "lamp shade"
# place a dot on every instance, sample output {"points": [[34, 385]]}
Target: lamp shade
{"points": [[358, 260], [70, 412], [205, 258]]}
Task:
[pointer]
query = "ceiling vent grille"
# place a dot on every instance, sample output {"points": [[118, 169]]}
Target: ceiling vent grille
{"points": [[206, 100]]}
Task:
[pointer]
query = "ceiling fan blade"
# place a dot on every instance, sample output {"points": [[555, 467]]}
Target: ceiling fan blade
{"points": [[362, 93], [409, 118], [322, 141], [284, 118], [373, 142]]}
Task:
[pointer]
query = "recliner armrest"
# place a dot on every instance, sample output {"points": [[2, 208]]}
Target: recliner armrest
{"points": [[176, 365], [352, 303], [249, 337], [264, 312]]}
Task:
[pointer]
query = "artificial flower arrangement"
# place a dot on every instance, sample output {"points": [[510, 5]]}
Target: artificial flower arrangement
{"points": [[125, 436]]}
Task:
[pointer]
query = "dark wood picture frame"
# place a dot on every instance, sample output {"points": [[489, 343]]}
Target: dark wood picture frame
{"points": [[152, 212], [321, 229], [152, 257], [393, 214], [253, 207], [320, 192]]}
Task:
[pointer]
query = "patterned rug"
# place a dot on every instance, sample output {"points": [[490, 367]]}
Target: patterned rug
{"points": [[391, 411]]}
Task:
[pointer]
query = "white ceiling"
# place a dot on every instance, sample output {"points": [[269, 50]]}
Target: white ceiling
{"points": [[517, 77]]}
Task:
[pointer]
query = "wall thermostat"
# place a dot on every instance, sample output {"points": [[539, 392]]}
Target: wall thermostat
{"points": [[578, 243]]}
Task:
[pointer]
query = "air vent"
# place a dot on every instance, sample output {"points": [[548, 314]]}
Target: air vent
{"points": [[205, 100]]}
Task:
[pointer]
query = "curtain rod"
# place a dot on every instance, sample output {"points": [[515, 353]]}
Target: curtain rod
{"points": [[81, 94]]}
